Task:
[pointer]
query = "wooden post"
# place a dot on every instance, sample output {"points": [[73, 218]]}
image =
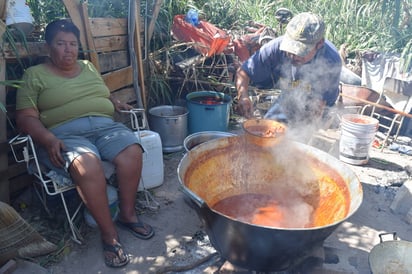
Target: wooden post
{"points": [[4, 165], [89, 39], [139, 57], [150, 29], [3, 7], [377, 105], [73, 8]]}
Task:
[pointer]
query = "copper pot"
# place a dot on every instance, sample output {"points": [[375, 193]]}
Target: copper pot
{"points": [[264, 132], [220, 169]]}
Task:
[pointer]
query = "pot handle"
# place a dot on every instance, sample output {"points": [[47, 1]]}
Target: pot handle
{"points": [[171, 119], [199, 201], [388, 233]]}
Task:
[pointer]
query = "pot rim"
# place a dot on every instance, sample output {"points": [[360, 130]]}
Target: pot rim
{"points": [[216, 133], [226, 99], [246, 125], [183, 111], [348, 116]]}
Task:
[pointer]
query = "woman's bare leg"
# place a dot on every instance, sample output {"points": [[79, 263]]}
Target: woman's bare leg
{"points": [[128, 171], [87, 172]]}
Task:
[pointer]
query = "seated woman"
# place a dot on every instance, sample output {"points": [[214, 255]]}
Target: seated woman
{"points": [[66, 108]]}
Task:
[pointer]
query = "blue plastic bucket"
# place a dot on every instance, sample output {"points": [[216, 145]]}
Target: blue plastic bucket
{"points": [[113, 207], [208, 111]]}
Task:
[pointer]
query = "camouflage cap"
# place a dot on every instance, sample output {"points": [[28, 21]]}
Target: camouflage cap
{"points": [[302, 33]]}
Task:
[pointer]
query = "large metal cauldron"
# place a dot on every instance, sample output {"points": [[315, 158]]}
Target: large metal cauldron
{"points": [[219, 169]]}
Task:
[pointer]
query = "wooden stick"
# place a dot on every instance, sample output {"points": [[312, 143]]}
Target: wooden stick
{"points": [[4, 163], [3, 10], [150, 29], [94, 58], [73, 9], [377, 105], [139, 56]]}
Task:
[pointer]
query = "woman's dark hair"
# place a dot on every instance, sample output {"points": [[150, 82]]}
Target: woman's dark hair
{"points": [[60, 25]]}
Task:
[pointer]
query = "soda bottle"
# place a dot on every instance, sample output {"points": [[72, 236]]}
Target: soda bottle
{"points": [[192, 17]]}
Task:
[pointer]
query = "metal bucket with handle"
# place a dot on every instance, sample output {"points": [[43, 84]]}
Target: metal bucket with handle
{"points": [[392, 256]]}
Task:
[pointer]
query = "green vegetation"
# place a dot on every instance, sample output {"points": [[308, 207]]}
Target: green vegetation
{"points": [[362, 25], [382, 25]]}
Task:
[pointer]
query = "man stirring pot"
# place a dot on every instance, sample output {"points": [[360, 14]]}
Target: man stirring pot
{"points": [[303, 64]]}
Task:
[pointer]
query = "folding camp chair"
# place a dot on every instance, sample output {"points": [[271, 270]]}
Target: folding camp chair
{"points": [[24, 150], [398, 93]]}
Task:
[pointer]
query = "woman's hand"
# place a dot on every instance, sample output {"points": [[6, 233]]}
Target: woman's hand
{"points": [[28, 122], [54, 149], [118, 106]]}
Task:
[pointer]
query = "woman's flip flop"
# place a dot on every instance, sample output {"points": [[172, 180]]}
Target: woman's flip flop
{"points": [[138, 229]]}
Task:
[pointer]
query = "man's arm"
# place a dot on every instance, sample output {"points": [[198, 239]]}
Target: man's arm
{"points": [[242, 87]]}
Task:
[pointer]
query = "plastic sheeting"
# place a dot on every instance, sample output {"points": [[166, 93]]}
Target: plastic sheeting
{"points": [[377, 66], [209, 39]]}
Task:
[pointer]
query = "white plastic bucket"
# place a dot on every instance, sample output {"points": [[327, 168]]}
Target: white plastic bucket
{"points": [[113, 207], [357, 135], [19, 16]]}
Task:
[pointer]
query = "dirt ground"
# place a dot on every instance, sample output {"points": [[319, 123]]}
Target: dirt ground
{"points": [[181, 244]]}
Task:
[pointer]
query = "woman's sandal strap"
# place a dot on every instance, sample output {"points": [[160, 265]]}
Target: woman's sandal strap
{"points": [[117, 257]]}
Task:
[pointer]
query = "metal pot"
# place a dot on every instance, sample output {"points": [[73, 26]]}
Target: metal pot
{"points": [[171, 124], [227, 167], [197, 138], [392, 256]]}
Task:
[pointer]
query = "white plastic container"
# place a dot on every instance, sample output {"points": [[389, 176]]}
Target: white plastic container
{"points": [[153, 169], [357, 134]]}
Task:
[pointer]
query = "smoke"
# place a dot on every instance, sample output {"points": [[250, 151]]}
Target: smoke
{"points": [[297, 187], [302, 99]]}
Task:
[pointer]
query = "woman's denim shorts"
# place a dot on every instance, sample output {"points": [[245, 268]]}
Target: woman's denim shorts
{"points": [[92, 134]]}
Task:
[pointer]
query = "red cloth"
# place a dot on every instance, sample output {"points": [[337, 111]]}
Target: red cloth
{"points": [[209, 39]]}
